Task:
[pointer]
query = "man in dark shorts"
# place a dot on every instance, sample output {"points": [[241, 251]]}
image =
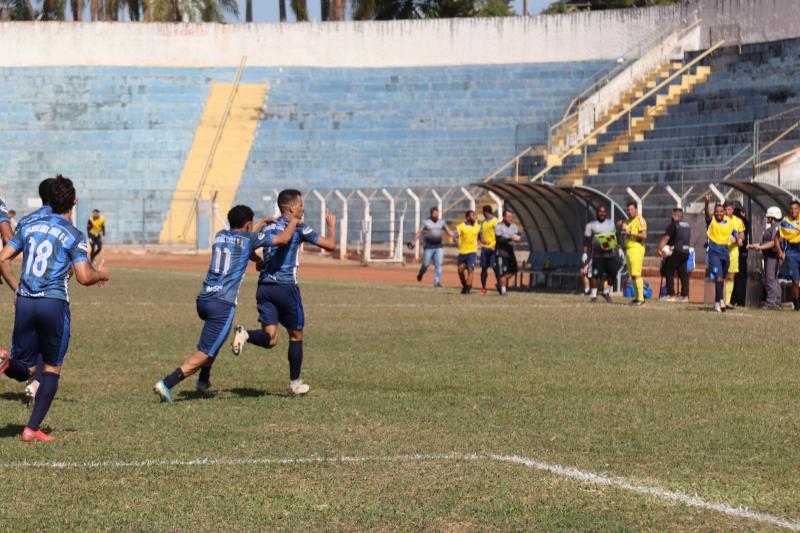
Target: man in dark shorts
{"points": [[505, 233], [674, 248], [601, 236]]}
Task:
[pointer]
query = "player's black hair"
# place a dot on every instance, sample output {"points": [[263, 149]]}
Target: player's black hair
{"points": [[287, 198], [507, 210], [727, 204], [95, 210], [487, 210], [44, 190], [794, 202], [678, 209], [466, 214], [61, 195], [239, 216], [434, 208], [632, 203]]}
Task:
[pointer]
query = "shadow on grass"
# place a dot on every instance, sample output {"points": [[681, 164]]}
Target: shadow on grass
{"points": [[241, 392], [14, 396], [11, 430]]}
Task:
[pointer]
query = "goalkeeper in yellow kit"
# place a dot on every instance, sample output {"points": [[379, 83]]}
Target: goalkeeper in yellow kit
{"points": [[635, 232]]}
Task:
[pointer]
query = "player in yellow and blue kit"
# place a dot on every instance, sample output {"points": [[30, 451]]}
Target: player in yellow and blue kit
{"points": [[721, 233], [216, 304], [488, 245], [96, 229], [788, 243], [468, 234], [50, 246], [278, 297]]}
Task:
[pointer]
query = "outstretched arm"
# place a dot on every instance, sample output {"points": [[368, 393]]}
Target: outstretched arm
{"points": [[328, 243], [6, 256], [86, 274]]}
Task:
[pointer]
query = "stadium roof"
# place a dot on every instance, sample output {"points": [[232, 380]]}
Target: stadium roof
{"points": [[554, 217], [764, 195]]}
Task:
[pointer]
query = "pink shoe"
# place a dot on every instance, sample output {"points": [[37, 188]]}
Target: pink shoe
{"points": [[3, 360], [29, 435]]}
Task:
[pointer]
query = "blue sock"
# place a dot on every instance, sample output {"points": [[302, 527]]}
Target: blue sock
{"points": [[17, 370], [37, 374], [44, 397], [173, 379], [258, 337], [719, 294], [295, 359]]}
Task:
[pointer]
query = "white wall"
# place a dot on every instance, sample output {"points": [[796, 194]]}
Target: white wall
{"points": [[598, 35]]}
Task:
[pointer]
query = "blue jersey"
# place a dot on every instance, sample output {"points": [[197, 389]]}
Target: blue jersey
{"points": [[43, 211], [3, 212], [50, 245], [229, 255], [280, 263]]}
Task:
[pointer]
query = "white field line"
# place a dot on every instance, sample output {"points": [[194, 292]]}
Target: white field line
{"points": [[555, 469]]}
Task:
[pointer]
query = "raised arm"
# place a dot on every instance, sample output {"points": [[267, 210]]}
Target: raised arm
{"points": [[86, 274], [6, 256], [328, 243], [707, 209]]}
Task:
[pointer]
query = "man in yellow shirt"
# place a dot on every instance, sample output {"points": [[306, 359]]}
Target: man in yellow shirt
{"points": [[721, 234], [733, 248], [635, 232], [788, 244], [468, 234], [488, 245], [96, 228]]}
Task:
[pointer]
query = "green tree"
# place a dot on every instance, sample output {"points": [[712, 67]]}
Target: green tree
{"points": [[571, 6], [186, 10], [419, 9]]}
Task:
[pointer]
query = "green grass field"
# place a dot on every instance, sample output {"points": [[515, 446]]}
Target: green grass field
{"points": [[667, 396]]}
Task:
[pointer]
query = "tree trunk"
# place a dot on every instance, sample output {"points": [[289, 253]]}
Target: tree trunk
{"points": [[282, 8], [300, 9], [324, 9], [248, 14], [336, 10], [77, 9]]}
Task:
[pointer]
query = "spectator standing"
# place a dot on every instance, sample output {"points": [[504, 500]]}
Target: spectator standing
{"points": [[674, 248]]}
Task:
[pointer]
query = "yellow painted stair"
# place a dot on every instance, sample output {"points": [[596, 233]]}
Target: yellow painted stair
{"points": [[639, 125], [227, 166]]}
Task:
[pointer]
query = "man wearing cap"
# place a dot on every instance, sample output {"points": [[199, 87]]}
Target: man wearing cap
{"points": [[674, 246], [769, 251]]}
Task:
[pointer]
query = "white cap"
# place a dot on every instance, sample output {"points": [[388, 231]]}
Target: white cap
{"points": [[774, 212]]}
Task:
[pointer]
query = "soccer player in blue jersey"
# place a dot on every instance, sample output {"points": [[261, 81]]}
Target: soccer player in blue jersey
{"points": [[50, 246], [278, 296], [216, 303]]}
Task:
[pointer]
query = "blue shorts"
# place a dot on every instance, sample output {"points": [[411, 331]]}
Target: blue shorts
{"points": [[41, 326], [218, 318], [280, 304], [792, 261], [718, 263], [488, 258], [468, 259]]}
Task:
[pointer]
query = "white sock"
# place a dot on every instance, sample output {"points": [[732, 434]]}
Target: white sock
{"points": [[607, 289], [503, 290], [594, 292]]}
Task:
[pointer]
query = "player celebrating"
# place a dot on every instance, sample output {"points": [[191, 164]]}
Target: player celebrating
{"points": [[635, 232], [42, 319], [721, 233], [488, 247], [468, 232], [789, 250], [278, 296], [506, 235], [96, 229], [601, 236], [216, 303]]}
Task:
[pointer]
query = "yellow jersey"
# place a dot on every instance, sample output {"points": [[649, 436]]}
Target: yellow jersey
{"points": [[487, 232], [738, 225], [635, 226], [719, 233], [468, 238], [96, 225], [790, 230]]}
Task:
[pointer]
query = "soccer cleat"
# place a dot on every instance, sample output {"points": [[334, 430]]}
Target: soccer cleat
{"points": [[202, 386], [637, 303], [240, 337], [483, 291], [594, 299], [29, 435], [607, 297], [4, 359], [30, 391], [419, 277], [437, 285], [297, 388], [667, 299], [717, 308], [163, 392]]}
